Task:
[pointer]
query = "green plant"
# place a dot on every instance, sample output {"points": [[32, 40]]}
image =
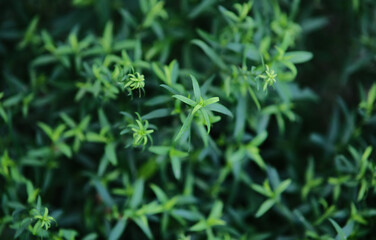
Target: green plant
{"points": [[254, 119]]}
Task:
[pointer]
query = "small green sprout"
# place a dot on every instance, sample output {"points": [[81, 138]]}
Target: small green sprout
{"points": [[269, 77], [43, 221], [200, 105], [136, 81], [141, 132]]}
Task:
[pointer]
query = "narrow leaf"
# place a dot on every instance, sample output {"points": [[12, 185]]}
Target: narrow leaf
{"points": [[216, 107], [196, 88], [265, 206], [210, 53]]}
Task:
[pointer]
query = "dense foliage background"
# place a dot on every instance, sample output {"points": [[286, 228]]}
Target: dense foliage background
{"points": [[187, 119]]}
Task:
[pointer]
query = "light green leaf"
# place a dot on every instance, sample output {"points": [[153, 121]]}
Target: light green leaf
{"points": [[65, 149], [196, 89], [159, 72], [282, 186], [261, 190], [68, 120], [216, 211], [142, 222], [211, 101], [110, 151], [3, 114], [162, 197], [200, 226], [265, 206], [185, 100], [95, 137], [176, 167], [260, 138], [107, 36], [298, 56], [160, 150], [206, 119]]}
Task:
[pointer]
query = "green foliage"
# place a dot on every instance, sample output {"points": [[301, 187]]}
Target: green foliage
{"points": [[253, 119]]}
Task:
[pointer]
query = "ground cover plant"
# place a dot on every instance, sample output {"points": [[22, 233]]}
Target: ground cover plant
{"points": [[187, 119]]}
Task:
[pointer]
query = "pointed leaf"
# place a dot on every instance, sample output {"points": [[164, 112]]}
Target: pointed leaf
{"points": [[265, 206], [185, 100], [185, 127], [176, 167], [196, 89], [210, 53], [216, 107], [138, 192], [118, 230], [339, 230], [142, 222]]}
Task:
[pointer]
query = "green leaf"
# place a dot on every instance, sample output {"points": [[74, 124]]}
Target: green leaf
{"points": [[102, 118], [29, 34], [65, 149], [206, 119], [204, 5], [23, 226], [298, 56], [254, 97], [196, 88], [85, 122], [142, 222], [261, 190], [57, 132], [283, 186], [265, 206], [216, 107], [159, 73], [106, 197], [210, 53], [185, 100], [211, 101], [3, 114], [68, 120], [44, 60], [200, 226], [91, 236], [138, 192], [253, 153], [162, 197], [95, 137], [176, 167], [174, 71], [185, 127], [339, 230], [259, 139], [110, 151], [216, 211], [118, 230], [107, 36], [177, 153], [47, 130], [170, 89], [160, 150]]}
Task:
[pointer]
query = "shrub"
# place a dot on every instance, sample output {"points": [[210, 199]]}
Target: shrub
{"points": [[187, 119]]}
